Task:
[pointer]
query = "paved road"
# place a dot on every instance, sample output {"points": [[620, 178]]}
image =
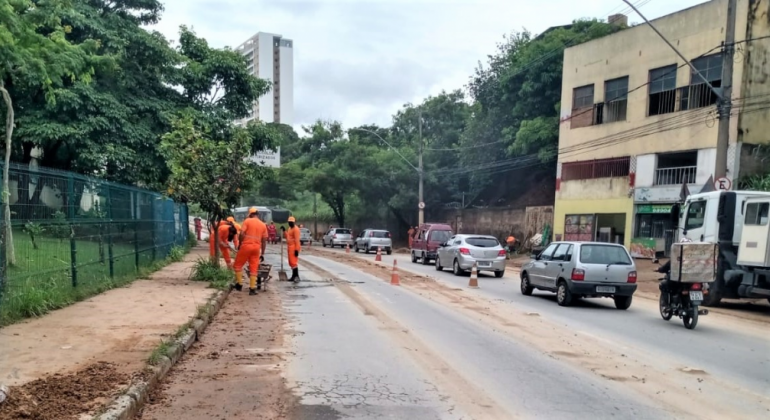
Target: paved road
{"points": [[735, 351], [484, 373]]}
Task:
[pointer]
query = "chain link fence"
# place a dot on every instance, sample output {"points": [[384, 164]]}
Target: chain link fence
{"points": [[74, 236]]}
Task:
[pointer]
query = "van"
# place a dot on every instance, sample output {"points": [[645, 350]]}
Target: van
{"points": [[427, 239]]}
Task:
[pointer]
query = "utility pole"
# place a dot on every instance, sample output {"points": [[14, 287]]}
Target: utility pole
{"points": [[724, 94], [724, 106], [421, 216], [315, 214]]}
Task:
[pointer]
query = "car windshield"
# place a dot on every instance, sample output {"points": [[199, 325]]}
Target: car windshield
{"points": [[482, 242], [604, 254], [440, 235], [343, 231], [380, 234], [304, 230]]}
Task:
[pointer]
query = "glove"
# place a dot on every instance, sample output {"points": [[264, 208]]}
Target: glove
{"points": [[296, 253]]}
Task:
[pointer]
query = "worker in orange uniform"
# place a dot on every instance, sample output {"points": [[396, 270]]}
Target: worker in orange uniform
{"points": [[237, 227], [253, 241], [511, 241], [293, 246], [226, 232]]}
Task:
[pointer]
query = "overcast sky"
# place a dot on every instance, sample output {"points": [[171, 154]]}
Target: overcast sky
{"points": [[359, 61]]}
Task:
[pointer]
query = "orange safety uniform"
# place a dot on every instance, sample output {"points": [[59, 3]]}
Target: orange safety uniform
{"points": [[212, 242], [224, 231], [293, 245], [253, 231], [410, 234]]}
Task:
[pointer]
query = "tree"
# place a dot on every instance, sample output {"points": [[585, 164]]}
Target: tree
{"points": [[35, 56], [207, 169]]}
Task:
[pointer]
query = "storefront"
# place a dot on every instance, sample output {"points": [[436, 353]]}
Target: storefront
{"points": [[600, 227], [653, 228]]}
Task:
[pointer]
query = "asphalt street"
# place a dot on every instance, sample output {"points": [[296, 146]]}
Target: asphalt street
{"points": [[736, 350]]}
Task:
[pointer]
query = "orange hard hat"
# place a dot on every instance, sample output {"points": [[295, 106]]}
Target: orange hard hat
{"points": [[292, 219], [253, 210], [231, 219]]}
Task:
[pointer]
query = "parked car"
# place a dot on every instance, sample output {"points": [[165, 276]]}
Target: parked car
{"points": [[461, 251], [337, 237], [371, 239], [427, 240], [305, 237], [582, 269]]}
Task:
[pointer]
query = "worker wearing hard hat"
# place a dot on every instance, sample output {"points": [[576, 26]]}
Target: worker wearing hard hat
{"points": [[226, 232], [237, 227], [253, 241], [293, 246]]}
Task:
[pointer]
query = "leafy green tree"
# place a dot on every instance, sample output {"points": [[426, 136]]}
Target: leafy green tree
{"points": [[35, 56]]}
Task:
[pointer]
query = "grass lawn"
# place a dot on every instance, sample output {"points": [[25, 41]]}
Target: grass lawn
{"points": [[41, 279]]}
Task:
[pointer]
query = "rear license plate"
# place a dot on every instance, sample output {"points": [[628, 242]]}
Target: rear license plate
{"points": [[696, 295], [485, 264], [605, 289]]}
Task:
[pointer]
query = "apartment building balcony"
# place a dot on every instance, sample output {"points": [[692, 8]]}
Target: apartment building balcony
{"points": [[676, 176]]}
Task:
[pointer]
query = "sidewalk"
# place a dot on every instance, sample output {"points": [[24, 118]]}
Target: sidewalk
{"points": [[119, 328]]}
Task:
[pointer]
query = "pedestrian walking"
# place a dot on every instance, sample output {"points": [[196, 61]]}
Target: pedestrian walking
{"points": [[198, 227]]}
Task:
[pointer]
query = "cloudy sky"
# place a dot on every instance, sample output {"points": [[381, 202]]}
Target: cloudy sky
{"points": [[358, 61]]}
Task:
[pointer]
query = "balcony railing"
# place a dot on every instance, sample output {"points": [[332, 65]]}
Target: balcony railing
{"points": [[676, 176]]}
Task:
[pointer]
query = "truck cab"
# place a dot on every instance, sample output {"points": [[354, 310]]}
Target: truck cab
{"points": [[732, 220]]}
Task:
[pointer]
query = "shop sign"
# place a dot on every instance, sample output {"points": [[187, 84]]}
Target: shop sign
{"points": [[643, 247], [654, 209], [665, 194]]}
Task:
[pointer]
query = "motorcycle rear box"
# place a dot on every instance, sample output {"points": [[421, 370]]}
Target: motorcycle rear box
{"points": [[693, 262]]}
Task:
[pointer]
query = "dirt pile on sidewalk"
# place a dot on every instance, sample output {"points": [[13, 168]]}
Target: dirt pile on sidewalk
{"points": [[63, 397]]}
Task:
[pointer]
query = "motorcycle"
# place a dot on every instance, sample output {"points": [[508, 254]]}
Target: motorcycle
{"points": [[682, 300]]}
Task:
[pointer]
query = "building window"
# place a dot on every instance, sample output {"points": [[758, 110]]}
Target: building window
{"points": [[698, 94], [579, 227], [676, 168], [615, 102], [593, 169], [582, 106], [662, 98]]}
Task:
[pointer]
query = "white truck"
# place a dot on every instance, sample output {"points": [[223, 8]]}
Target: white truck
{"points": [[737, 221]]}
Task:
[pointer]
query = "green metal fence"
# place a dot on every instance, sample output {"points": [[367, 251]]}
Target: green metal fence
{"points": [[74, 236]]}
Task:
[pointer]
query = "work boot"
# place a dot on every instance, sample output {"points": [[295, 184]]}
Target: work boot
{"points": [[236, 286], [252, 292], [259, 283], [238, 281], [295, 275]]}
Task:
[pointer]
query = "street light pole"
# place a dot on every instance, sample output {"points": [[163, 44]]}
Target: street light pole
{"points": [[421, 214]]}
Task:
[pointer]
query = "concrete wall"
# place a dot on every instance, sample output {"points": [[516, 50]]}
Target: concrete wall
{"points": [[754, 91], [634, 52], [500, 222]]}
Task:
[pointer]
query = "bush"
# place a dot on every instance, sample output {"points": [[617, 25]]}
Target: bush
{"points": [[176, 254], [206, 270]]}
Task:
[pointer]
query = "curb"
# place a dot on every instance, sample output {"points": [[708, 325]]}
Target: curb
{"points": [[133, 399]]}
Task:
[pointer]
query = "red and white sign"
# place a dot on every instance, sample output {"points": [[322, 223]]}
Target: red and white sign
{"points": [[723, 184]]}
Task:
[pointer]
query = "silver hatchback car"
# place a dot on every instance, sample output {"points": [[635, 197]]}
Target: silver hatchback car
{"points": [[337, 237], [582, 269], [371, 239], [461, 251]]}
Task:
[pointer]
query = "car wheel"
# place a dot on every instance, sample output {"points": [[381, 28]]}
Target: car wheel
{"points": [[438, 264], [563, 295], [414, 258], [356, 248], [526, 288], [499, 274], [323, 243], [425, 260], [390, 251], [456, 269], [623, 302]]}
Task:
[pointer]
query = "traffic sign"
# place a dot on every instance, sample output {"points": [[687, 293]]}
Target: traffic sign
{"points": [[421, 205], [723, 184]]}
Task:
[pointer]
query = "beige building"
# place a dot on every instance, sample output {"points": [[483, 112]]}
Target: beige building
{"points": [[637, 123]]}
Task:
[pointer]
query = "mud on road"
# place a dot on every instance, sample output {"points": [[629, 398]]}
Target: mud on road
{"points": [[234, 370], [660, 380]]}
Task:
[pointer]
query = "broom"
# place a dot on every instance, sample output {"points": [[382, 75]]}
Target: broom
{"points": [[282, 274]]}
